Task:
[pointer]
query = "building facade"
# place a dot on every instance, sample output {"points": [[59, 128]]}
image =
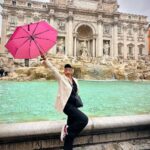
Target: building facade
{"points": [[149, 39], [0, 44], [92, 28]]}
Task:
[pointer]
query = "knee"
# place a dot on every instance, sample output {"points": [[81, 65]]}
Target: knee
{"points": [[85, 120]]}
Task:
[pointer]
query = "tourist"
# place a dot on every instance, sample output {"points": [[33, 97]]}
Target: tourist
{"points": [[66, 102], [1, 72]]}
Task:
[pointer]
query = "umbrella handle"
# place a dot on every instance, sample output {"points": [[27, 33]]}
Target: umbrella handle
{"points": [[43, 57]]}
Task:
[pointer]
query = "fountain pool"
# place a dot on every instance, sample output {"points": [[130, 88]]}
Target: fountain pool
{"points": [[34, 100]]}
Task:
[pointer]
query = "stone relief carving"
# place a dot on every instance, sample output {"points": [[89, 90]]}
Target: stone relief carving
{"points": [[61, 24], [107, 29]]}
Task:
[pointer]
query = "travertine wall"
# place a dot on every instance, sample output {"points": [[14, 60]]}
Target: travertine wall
{"points": [[125, 33]]}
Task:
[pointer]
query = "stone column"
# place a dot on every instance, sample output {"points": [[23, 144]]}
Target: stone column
{"points": [[146, 42], [94, 46], [89, 47], [4, 32], [115, 39], [125, 48], [70, 34], [75, 46], [99, 47], [52, 23], [136, 49]]}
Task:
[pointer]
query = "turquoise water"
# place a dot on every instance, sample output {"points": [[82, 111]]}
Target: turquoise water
{"points": [[34, 101]]}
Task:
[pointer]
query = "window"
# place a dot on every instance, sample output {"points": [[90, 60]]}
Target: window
{"points": [[119, 29], [130, 31], [140, 50], [44, 6], [13, 20], [119, 49], [29, 5], [107, 29], [14, 3], [140, 31], [129, 17], [130, 50]]}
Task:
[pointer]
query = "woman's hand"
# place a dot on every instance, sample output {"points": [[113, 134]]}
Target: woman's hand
{"points": [[43, 57], [44, 60]]}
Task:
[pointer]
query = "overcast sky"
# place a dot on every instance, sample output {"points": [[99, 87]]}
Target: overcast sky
{"points": [[129, 6]]}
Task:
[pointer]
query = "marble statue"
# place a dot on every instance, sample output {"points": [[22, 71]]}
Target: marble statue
{"points": [[84, 51], [61, 24], [106, 48], [61, 47]]}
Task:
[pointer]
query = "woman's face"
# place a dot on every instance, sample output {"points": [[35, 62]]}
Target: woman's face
{"points": [[68, 71]]}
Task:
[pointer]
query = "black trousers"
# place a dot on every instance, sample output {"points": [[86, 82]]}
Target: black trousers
{"points": [[76, 121]]}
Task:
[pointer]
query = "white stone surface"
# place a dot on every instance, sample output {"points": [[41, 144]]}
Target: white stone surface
{"points": [[54, 127], [85, 12]]}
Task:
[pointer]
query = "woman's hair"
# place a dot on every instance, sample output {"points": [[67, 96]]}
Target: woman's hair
{"points": [[67, 66]]}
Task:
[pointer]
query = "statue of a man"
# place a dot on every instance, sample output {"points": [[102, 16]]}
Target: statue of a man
{"points": [[106, 48], [61, 47], [84, 51]]}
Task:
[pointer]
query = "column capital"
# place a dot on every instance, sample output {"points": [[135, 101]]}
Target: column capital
{"points": [[4, 14]]}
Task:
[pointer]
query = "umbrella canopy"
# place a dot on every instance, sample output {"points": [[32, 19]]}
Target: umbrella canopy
{"points": [[32, 40]]}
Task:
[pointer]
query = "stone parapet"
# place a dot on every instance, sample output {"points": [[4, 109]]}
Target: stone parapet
{"points": [[45, 134]]}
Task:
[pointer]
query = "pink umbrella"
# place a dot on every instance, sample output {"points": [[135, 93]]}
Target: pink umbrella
{"points": [[32, 40]]}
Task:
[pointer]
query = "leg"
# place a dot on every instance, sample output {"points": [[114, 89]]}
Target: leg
{"points": [[68, 143], [70, 121], [80, 120], [77, 120]]}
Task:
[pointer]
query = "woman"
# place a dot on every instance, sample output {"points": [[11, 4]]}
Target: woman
{"points": [[68, 88]]}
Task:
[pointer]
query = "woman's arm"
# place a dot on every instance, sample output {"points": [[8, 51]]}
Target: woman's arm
{"points": [[48, 64]]}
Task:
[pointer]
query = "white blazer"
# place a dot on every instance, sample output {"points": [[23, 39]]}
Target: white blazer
{"points": [[64, 89]]}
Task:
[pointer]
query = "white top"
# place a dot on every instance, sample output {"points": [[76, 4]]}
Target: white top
{"points": [[64, 89]]}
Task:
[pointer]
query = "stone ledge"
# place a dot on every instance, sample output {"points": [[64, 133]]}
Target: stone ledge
{"points": [[51, 129]]}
